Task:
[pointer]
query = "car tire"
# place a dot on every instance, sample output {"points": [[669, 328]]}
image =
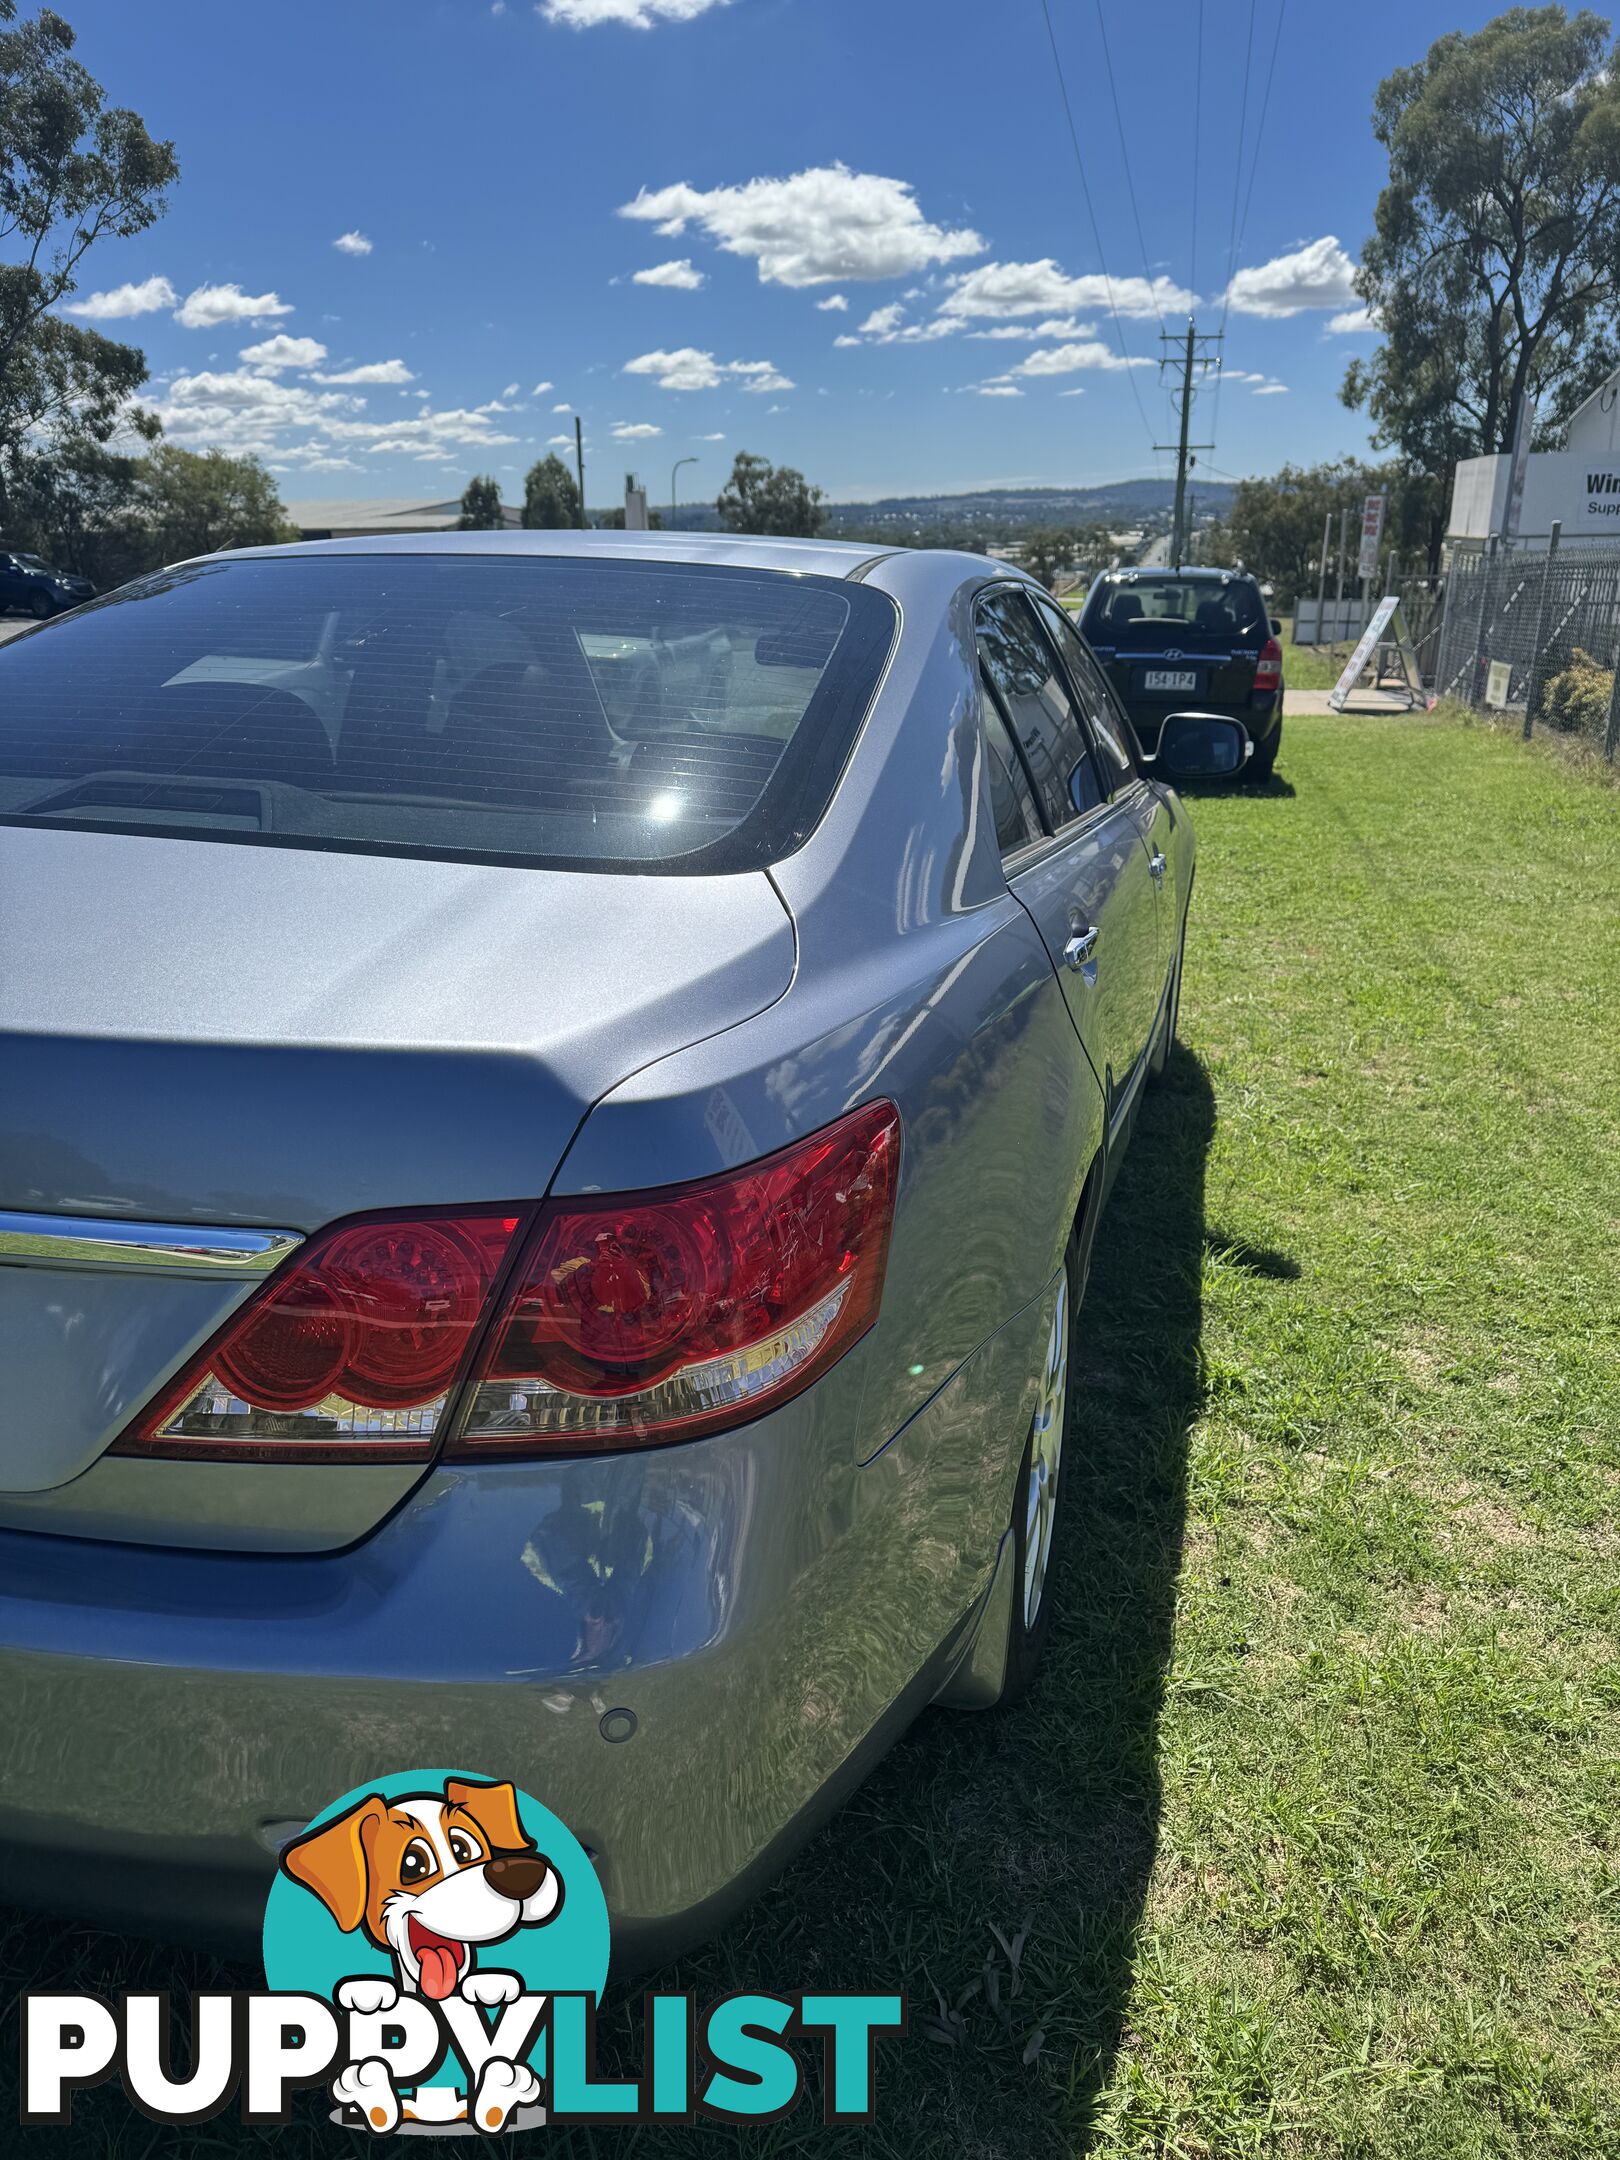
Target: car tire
{"points": [[1035, 1550], [1259, 768], [40, 606]]}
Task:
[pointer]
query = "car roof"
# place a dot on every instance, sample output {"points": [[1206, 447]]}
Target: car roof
{"points": [[1190, 571], [824, 558]]}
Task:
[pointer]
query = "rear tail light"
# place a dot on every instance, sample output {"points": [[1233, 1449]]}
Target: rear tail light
{"points": [[1269, 672], [351, 1350], [625, 1321], [670, 1314]]}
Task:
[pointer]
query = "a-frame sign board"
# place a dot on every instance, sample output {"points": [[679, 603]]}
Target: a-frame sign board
{"points": [[1387, 618]]}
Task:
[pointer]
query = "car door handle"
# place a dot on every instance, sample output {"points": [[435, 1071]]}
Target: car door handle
{"points": [[1158, 865], [1081, 947]]}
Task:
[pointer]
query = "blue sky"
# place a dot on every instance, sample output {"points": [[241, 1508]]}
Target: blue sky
{"points": [[870, 255]]}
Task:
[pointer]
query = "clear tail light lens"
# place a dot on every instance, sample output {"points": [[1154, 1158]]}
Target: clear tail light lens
{"points": [[350, 1352], [625, 1321], [663, 1315], [1268, 674]]}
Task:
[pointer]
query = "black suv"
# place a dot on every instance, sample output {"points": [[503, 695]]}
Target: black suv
{"points": [[28, 583], [1190, 641]]}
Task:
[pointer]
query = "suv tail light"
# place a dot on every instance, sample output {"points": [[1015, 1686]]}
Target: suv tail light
{"points": [[1268, 674], [625, 1321], [664, 1315]]}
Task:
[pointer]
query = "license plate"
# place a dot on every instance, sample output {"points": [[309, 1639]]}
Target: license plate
{"points": [[1170, 678]]}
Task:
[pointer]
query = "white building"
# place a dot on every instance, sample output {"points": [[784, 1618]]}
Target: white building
{"points": [[1577, 487]]}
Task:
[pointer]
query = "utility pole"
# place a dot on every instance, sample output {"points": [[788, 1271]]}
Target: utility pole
{"points": [[579, 460], [1190, 361], [674, 476]]}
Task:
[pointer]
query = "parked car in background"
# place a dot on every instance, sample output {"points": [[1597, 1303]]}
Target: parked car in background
{"points": [[558, 1094], [1171, 639], [37, 589]]}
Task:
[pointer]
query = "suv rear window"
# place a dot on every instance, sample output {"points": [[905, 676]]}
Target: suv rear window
{"points": [[590, 714], [1150, 614]]}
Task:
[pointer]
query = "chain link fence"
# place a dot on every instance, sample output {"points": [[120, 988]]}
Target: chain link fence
{"points": [[1537, 633]]}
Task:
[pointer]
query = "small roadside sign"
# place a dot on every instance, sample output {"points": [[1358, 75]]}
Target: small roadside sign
{"points": [[1386, 616]]}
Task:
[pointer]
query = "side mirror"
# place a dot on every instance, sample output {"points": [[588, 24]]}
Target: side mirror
{"points": [[1202, 746], [1276, 626]]}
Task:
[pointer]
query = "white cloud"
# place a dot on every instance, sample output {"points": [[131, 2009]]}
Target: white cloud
{"points": [[374, 371], [998, 389], [1069, 359], [1041, 288], [245, 411], [352, 243], [834, 304], [1259, 385], [1057, 326], [678, 276], [689, 369], [1071, 393], [124, 301], [710, 438], [1320, 275], [638, 14], [541, 388], [562, 408], [635, 431], [559, 442], [511, 390], [824, 224], [839, 343], [888, 326], [1354, 322], [281, 351], [210, 305]]}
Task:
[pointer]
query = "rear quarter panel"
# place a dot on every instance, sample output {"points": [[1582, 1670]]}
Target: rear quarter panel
{"points": [[918, 978]]}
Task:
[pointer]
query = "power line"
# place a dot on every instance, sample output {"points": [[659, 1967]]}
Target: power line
{"points": [[1237, 172], [1242, 224], [1260, 131], [1096, 235], [1125, 161], [1198, 129]]}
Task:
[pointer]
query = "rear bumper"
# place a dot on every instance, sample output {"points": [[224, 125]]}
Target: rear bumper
{"points": [[771, 1610]]}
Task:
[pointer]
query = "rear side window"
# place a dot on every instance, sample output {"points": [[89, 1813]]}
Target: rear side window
{"points": [[1027, 681], [585, 713], [1152, 614], [1107, 727], [1018, 821]]}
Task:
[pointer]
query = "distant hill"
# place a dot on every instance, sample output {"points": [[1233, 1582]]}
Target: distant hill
{"points": [[998, 512]]}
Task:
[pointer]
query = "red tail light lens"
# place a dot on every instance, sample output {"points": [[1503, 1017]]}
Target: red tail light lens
{"points": [[1269, 672], [350, 1352], [664, 1315], [628, 1321]]}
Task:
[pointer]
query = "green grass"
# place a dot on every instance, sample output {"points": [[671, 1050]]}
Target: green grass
{"points": [[1311, 1819], [1311, 667]]}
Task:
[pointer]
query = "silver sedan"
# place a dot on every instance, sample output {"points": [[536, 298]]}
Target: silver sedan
{"points": [[556, 1096]]}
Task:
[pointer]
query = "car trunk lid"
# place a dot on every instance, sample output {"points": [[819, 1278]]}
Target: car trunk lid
{"points": [[207, 1034]]}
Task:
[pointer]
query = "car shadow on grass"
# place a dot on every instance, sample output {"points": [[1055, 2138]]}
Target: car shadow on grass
{"points": [[995, 1865]]}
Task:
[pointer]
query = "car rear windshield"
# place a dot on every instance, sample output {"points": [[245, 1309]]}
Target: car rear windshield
{"points": [[599, 715], [1196, 614]]}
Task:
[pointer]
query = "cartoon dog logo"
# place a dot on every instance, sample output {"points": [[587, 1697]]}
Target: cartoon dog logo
{"points": [[431, 1878]]}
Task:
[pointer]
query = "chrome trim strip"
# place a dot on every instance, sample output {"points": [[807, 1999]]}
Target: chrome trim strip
{"points": [[100, 1242]]}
